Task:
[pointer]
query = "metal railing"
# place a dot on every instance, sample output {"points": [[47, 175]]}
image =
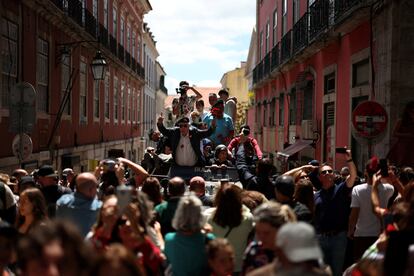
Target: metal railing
{"points": [[75, 11], [318, 18], [286, 48], [275, 57], [266, 65], [121, 52], [133, 64], [300, 33], [341, 7], [103, 36], [90, 23], [113, 45], [127, 59]]}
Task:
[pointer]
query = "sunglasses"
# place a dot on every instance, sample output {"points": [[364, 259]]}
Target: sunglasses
{"points": [[183, 125], [326, 171]]}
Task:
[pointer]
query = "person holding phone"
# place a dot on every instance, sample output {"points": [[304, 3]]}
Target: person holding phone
{"points": [[332, 212], [244, 137], [364, 226]]}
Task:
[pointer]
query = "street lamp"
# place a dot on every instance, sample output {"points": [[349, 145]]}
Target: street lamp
{"points": [[98, 66]]}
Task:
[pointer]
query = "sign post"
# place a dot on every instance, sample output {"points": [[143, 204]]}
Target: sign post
{"points": [[22, 117], [369, 120]]}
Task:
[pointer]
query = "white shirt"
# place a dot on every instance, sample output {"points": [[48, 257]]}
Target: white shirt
{"points": [[184, 154], [368, 224]]}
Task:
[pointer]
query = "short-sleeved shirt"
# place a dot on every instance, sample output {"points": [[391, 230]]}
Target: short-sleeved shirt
{"points": [[223, 128], [368, 224], [332, 208]]}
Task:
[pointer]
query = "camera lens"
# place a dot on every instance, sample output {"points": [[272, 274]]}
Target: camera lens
{"points": [[246, 131]]}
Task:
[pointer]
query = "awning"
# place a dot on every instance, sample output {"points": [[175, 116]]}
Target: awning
{"points": [[294, 148]]}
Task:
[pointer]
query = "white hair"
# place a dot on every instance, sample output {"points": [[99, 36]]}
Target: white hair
{"points": [[188, 216]]}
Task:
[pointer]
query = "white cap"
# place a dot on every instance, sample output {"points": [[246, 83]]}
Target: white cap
{"points": [[298, 242]]}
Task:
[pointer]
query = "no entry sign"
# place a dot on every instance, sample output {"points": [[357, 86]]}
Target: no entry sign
{"points": [[369, 119]]}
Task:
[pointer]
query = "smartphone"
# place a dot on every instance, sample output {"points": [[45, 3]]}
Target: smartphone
{"points": [[124, 195], [341, 150], [383, 165]]}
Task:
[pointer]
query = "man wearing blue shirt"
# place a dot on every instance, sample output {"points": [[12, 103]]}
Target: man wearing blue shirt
{"points": [[224, 124], [81, 207]]}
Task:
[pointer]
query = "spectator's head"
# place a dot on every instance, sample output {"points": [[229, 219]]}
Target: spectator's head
{"points": [[26, 182], [207, 146], [8, 240], [221, 153], [32, 204], [344, 172], [200, 106], [326, 176], [284, 188], [245, 130], [265, 166], [56, 248], [269, 217], [220, 255], [19, 173], [223, 94], [87, 185], [304, 193], [176, 186], [301, 174], [188, 216], [198, 185], [252, 199], [229, 206], [297, 243], [212, 99], [47, 176], [117, 260], [406, 175], [218, 109], [154, 135], [184, 125], [152, 188], [69, 174]]}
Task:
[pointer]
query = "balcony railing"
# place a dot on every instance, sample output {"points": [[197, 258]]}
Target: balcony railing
{"points": [[121, 52], [113, 45], [260, 71], [127, 59], [300, 33], [285, 52], [90, 23], [133, 64], [275, 57], [255, 77], [266, 65], [75, 11], [103, 36], [341, 7], [318, 18]]}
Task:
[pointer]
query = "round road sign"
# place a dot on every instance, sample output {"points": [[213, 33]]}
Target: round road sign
{"points": [[369, 119]]}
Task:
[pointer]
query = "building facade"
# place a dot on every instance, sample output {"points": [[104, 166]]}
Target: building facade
{"points": [[51, 44], [316, 61]]}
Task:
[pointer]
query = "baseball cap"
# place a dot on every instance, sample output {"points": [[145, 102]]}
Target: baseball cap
{"points": [[298, 242], [67, 171], [314, 163], [26, 180], [182, 120], [46, 171], [223, 91], [285, 185]]}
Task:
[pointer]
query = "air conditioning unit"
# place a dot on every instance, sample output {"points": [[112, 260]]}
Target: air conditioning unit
{"points": [[307, 129]]}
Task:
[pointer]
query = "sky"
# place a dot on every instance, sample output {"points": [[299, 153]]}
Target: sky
{"points": [[200, 40]]}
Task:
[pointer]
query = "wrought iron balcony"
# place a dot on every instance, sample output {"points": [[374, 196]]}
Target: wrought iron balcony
{"points": [[285, 51], [266, 65], [61, 4], [127, 59], [275, 57], [255, 75], [90, 23], [260, 71], [300, 33], [121, 52], [103, 36], [341, 7], [318, 17], [75, 11], [113, 45], [134, 65]]}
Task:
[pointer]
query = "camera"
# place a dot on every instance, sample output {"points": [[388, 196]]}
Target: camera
{"points": [[383, 165], [246, 131], [340, 150], [182, 89]]}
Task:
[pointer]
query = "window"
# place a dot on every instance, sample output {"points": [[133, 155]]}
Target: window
{"points": [[42, 74], [292, 107], [83, 90], [95, 8], [123, 100], [115, 99], [274, 27], [281, 109], [264, 113], [129, 103], [83, 14], [329, 86], [134, 37], [128, 45], [65, 79], [133, 103], [122, 37], [267, 37], [284, 16], [9, 53], [296, 10], [105, 13], [139, 49], [115, 21], [360, 73], [106, 106], [96, 100], [307, 103], [272, 115]]}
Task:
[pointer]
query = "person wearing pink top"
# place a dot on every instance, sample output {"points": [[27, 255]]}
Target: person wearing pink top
{"points": [[245, 138]]}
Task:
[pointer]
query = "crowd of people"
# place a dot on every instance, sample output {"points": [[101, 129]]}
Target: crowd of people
{"points": [[124, 219]]}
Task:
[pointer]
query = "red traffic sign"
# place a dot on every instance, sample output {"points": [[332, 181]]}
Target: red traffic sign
{"points": [[369, 119]]}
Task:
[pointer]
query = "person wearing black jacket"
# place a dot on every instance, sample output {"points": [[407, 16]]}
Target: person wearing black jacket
{"points": [[256, 182]]}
